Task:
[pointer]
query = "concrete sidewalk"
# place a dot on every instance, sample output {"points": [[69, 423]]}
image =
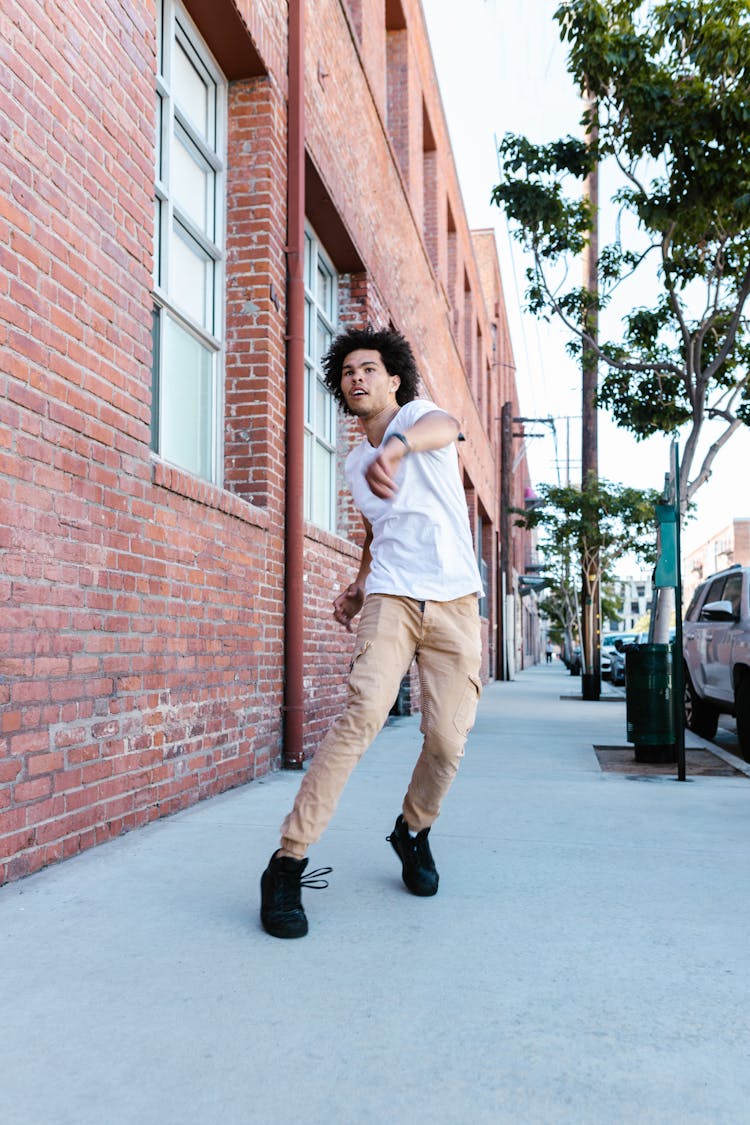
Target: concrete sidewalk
{"points": [[586, 959]]}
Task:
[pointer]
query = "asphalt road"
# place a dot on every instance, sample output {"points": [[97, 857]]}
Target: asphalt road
{"points": [[726, 735]]}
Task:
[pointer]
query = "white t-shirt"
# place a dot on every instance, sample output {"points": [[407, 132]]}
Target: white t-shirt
{"points": [[421, 539]]}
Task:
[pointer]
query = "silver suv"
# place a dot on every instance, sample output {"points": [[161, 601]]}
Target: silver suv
{"points": [[716, 644]]}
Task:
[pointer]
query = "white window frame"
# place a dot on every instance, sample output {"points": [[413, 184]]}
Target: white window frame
{"points": [[207, 240], [483, 568], [320, 497]]}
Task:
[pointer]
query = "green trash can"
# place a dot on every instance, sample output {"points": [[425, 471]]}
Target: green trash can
{"points": [[649, 706]]}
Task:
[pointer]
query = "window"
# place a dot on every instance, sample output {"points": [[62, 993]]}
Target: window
{"points": [[692, 610], [483, 568], [321, 303], [733, 592], [189, 249], [715, 590]]}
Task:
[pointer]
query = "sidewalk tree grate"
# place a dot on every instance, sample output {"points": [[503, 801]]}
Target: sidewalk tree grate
{"points": [[699, 763]]}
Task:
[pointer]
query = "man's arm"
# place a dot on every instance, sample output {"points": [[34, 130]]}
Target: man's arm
{"points": [[349, 602], [432, 431]]}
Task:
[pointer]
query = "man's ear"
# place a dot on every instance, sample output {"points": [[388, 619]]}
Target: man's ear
{"points": [[396, 383]]}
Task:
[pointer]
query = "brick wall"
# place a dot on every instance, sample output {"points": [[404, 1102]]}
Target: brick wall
{"points": [[362, 166], [729, 546], [741, 553], [255, 293], [142, 624], [142, 609]]}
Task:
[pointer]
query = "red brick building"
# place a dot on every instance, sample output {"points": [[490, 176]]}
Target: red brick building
{"points": [[728, 547], [194, 196]]}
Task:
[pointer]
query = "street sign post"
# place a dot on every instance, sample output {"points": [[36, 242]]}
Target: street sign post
{"points": [[668, 573]]}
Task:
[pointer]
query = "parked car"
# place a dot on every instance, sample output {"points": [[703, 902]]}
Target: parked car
{"points": [[716, 644], [573, 663], [617, 655], [609, 645], [617, 667], [605, 650], [621, 648]]}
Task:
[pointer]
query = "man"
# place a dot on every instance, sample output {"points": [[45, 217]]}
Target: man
{"points": [[417, 588]]}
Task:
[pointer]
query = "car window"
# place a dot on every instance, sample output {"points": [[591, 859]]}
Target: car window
{"points": [[715, 590], [733, 591], [692, 611]]}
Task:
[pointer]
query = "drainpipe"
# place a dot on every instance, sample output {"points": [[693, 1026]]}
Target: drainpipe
{"points": [[506, 535], [294, 539]]}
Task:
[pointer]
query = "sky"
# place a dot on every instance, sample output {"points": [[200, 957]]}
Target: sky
{"points": [[501, 68]]}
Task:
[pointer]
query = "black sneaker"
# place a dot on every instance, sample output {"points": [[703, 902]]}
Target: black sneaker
{"points": [[417, 865], [281, 895]]}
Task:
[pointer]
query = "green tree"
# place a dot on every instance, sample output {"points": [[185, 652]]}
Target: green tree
{"points": [[608, 521], [669, 92]]}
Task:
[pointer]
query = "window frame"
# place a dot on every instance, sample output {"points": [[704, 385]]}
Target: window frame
{"points": [[732, 592], [316, 437], [173, 220]]}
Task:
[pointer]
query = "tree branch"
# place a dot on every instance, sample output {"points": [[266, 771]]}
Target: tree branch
{"points": [[731, 394], [705, 469], [585, 338], [731, 332], [676, 307]]}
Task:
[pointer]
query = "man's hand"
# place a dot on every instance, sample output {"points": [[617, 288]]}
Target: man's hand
{"points": [[381, 472], [348, 604]]}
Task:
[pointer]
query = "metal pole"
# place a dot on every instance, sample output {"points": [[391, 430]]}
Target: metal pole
{"points": [[590, 650], [678, 675]]}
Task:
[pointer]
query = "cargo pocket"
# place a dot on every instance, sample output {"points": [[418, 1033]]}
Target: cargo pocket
{"points": [[463, 720], [358, 654]]}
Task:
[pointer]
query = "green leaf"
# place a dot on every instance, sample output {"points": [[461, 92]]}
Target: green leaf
{"points": [[671, 83]]}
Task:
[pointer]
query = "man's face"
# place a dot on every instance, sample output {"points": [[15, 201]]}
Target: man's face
{"points": [[367, 387]]}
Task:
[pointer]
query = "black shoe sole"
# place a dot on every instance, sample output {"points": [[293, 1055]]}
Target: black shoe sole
{"points": [[280, 932]]}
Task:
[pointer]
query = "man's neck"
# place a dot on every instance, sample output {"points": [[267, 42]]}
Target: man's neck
{"points": [[375, 427]]}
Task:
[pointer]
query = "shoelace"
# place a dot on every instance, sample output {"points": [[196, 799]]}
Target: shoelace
{"points": [[289, 887], [314, 879], [413, 841]]}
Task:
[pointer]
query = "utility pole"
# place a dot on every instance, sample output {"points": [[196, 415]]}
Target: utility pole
{"points": [[591, 587]]}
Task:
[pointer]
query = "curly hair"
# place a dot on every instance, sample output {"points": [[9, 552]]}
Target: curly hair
{"points": [[395, 352]]}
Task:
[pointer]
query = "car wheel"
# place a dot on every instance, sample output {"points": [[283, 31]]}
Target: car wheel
{"points": [[742, 713], [701, 717]]}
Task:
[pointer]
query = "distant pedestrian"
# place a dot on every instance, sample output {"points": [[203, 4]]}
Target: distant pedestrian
{"points": [[549, 652], [417, 587]]}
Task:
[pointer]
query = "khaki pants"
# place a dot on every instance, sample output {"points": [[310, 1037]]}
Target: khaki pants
{"points": [[446, 639]]}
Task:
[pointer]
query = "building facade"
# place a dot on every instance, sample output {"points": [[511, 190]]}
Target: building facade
{"points": [[635, 595], [728, 547], [196, 195]]}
